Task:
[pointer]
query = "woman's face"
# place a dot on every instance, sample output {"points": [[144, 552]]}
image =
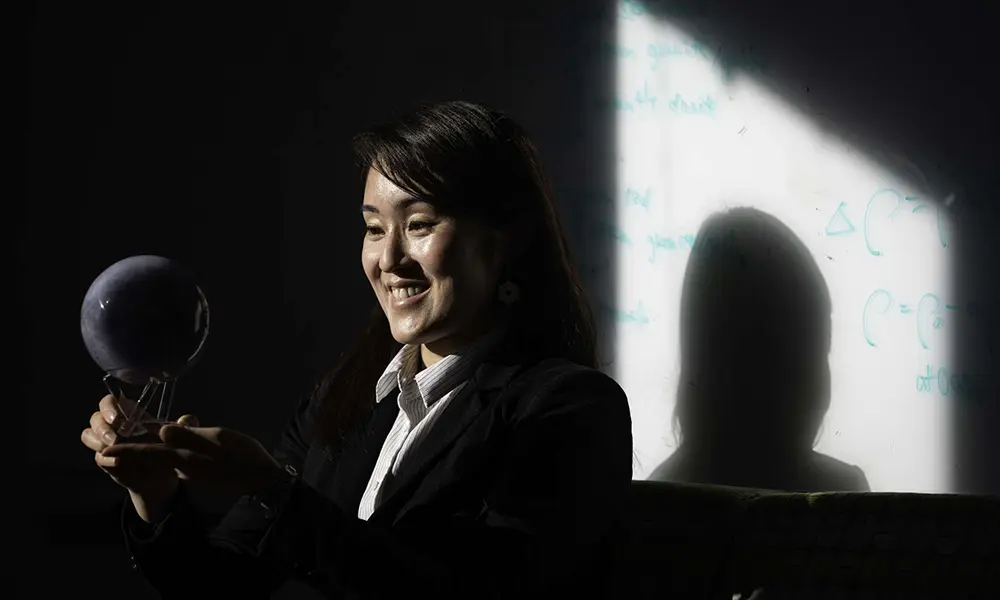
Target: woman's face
{"points": [[435, 276]]}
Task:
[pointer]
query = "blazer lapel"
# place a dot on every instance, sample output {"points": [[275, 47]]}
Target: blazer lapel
{"points": [[353, 467], [461, 411]]}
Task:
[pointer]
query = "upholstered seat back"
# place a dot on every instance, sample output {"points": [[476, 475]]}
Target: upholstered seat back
{"points": [[848, 545], [674, 541], [680, 542]]}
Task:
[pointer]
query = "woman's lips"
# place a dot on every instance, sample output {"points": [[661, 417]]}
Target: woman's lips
{"points": [[402, 297]]}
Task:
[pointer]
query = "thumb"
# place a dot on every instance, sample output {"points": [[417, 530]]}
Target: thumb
{"points": [[188, 421], [196, 439]]}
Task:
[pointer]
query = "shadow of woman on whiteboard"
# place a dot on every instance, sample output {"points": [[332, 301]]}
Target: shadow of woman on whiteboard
{"points": [[755, 378]]}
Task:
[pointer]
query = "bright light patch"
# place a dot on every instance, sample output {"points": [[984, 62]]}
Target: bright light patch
{"points": [[692, 141]]}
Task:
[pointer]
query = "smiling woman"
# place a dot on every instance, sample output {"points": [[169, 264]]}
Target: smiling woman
{"points": [[502, 455], [433, 274]]}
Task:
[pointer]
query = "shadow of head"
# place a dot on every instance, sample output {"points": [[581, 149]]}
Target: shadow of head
{"points": [[755, 336]]}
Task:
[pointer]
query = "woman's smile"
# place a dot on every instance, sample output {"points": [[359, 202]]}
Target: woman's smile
{"points": [[407, 295]]}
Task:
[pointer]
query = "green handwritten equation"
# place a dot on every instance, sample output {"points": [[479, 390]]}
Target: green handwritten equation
{"points": [[926, 311], [929, 314], [723, 60], [700, 105], [644, 100], [658, 52], [637, 197], [658, 242], [884, 205], [944, 383]]}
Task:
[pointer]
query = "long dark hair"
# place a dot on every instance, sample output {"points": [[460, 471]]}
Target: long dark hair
{"points": [[471, 162]]}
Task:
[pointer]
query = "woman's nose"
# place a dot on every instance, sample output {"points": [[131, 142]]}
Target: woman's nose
{"points": [[393, 252]]}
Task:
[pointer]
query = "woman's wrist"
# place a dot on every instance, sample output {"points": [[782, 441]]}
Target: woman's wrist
{"points": [[152, 507], [278, 476], [274, 495]]}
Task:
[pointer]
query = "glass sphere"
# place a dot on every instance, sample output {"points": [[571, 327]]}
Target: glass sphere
{"points": [[144, 319]]}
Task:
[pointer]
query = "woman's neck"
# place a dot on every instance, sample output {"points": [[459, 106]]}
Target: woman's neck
{"points": [[433, 352], [428, 357]]}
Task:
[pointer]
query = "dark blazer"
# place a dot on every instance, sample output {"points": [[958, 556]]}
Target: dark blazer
{"points": [[511, 495]]}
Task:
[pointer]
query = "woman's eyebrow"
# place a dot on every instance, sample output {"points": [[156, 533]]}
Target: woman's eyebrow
{"points": [[397, 204]]}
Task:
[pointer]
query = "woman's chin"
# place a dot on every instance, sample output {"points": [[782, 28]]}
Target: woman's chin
{"points": [[407, 335], [402, 338], [417, 336]]}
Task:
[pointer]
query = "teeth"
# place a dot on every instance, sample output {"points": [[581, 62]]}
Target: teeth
{"points": [[404, 293]]}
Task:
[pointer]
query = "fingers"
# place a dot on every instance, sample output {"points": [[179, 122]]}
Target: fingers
{"points": [[136, 454], [135, 457], [89, 439], [105, 462], [121, 408], [115, 403], [108, 405], [100, 435], [176, 447], [203, 440], [100, 426]]}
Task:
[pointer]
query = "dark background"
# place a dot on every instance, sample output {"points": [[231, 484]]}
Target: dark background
{"points": [[220, 138]]}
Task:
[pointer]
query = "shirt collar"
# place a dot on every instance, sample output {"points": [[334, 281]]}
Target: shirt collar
{"points": [[438, 379]]}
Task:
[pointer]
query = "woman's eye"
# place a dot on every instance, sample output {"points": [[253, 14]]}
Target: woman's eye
{"points": [[420, 225], [373, 230]]}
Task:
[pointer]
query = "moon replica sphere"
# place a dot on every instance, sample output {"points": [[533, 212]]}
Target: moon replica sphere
{"points": [[144, 321]]}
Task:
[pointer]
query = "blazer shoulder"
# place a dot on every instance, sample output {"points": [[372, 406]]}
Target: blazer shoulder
{"points": [[558, 372], [536, 386]]}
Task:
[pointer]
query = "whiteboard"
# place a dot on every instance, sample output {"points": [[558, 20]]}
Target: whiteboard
{"points": [[693, 139]]}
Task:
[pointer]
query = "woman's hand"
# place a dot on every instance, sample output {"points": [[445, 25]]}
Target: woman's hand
{"points": [[150, 486], [216, 457]]}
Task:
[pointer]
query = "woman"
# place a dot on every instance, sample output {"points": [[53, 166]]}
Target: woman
{"points": [[465, 448], [755, 377]]}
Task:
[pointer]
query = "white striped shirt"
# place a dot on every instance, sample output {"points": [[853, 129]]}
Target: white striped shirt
{"points": [[422, 398]]}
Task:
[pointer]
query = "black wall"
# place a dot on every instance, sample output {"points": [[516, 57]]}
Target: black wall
{"points": [[220, 138]]}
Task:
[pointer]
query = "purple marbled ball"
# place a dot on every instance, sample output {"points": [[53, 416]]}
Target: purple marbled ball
{"points": [[144, 318]]}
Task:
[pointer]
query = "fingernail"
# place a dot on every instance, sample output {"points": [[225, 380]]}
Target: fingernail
{"points": [[109, 415], [109, 438]]}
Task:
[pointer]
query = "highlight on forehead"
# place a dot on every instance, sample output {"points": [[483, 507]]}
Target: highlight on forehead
{"points": [[401, 174]]}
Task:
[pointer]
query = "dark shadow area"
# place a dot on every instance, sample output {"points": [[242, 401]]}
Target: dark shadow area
{"points": [[910, 86], [755, 381]]}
